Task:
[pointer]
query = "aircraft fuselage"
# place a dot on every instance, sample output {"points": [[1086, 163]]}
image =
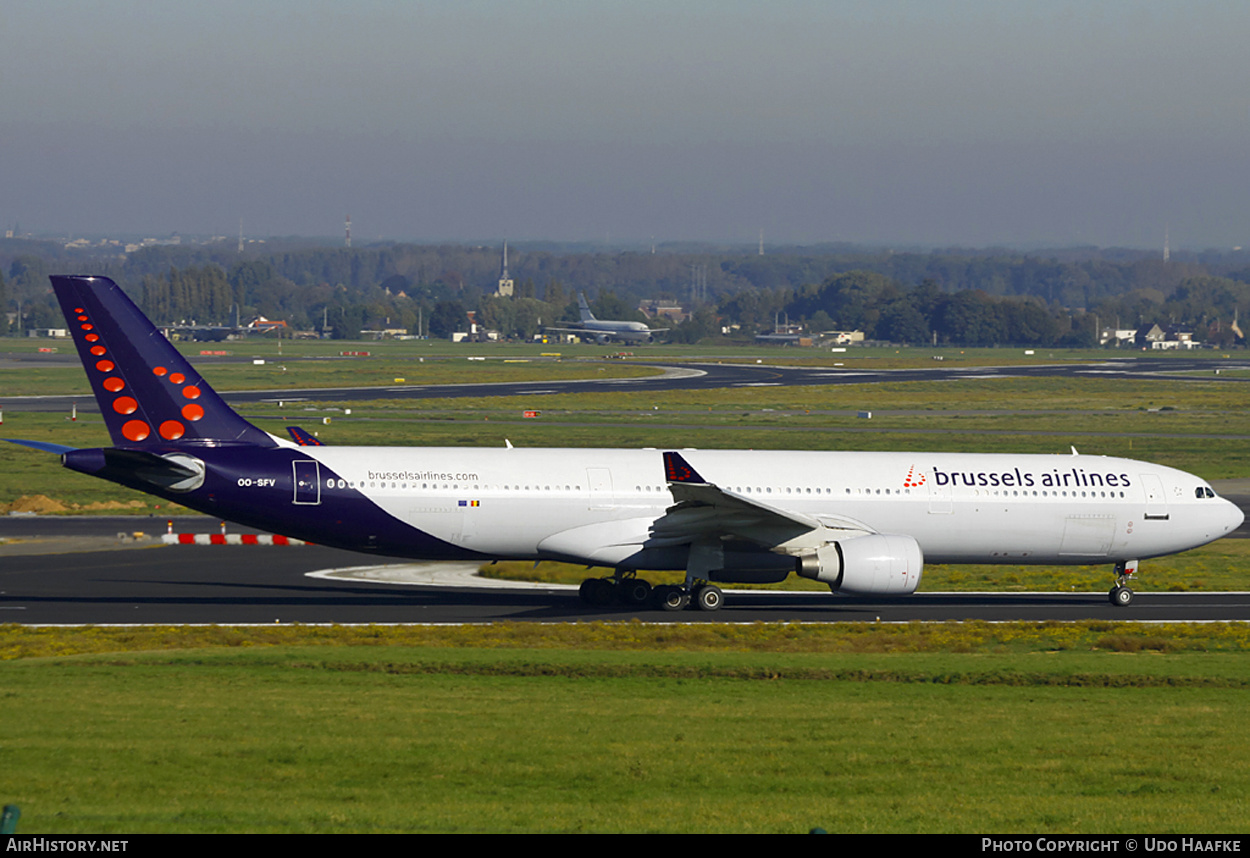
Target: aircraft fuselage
{"points": [[480, 503]]}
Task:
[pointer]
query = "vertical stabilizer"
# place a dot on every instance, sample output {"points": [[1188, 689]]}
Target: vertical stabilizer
{"points": [[148, 393], [587, 316]]}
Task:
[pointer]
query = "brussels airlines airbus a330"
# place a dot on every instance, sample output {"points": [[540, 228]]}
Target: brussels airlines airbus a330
{"points": [[863, 523]]}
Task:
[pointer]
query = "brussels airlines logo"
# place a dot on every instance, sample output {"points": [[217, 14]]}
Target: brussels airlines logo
{"points": [[914, 480], [1068, 478]]}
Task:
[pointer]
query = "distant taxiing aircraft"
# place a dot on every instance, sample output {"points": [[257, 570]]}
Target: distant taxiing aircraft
{"points": [[862, 523], [605, 330], [217, 333]]}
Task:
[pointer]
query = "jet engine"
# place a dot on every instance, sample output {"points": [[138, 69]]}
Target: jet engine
{"points": [[874, 564]]}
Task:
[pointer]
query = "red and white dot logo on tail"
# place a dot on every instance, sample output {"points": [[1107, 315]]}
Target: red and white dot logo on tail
{"points": [[914, 480], [138, 429], [133, 430]]}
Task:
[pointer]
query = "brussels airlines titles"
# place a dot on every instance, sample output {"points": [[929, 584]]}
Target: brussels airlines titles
{"points": [[1056, 479]]}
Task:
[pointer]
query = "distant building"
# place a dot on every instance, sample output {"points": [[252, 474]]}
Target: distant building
{"points": [[661, 309], [1117, 336], [476, 332], [785, 334], [504, 290], [784, 340], [174, 239], [1158, 339], [384, 334], [1175, 338], [1148, 335]]}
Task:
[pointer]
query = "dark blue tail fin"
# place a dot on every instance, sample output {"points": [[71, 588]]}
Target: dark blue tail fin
{"points": [[148, 393]]}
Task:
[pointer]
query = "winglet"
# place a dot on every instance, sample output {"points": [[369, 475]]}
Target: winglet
{"points": [[678, 470], [303, 438]]}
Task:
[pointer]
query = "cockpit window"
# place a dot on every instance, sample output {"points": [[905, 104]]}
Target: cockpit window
{"points": [[1204, 492]]}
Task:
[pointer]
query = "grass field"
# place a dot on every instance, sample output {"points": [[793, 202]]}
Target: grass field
{"points": [[323, 363], [314, 373], [1083, 728]]}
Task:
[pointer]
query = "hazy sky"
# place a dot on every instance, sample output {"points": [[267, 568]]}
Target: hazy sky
{"points": [[890, 121]]}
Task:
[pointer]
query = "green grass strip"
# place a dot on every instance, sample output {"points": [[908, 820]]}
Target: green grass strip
{"points": [[25, 642], [778, 728]]}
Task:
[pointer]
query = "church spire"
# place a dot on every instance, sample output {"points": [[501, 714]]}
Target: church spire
{"points": [[505, 282]]}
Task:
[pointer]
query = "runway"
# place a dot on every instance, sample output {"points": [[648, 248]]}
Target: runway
{"points": [[256, 585]]}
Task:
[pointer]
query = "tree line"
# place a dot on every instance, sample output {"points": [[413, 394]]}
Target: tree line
{"points": [[958, 296]]}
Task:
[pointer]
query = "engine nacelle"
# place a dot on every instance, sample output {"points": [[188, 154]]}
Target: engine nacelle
{"points": [[876, 564]]}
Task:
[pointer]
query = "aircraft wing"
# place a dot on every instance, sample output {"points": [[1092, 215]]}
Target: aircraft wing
{"points": [[705, 511]]}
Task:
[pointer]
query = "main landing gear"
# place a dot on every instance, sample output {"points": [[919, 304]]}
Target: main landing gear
{"points": [[704, 597], [1120, 595], [626, 589], [623, 588]]}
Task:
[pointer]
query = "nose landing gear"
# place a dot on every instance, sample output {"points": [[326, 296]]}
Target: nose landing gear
{"points": [[1120, 595]]}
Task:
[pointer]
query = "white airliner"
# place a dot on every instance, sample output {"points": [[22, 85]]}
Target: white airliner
{"points": [[863, 523], [604, 330]]}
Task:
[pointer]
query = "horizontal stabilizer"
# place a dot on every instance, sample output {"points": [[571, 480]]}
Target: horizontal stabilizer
{"points": [[46, 446]]}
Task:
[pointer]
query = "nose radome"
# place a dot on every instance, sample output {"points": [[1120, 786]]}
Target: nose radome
{"points": [[1233, 516]]}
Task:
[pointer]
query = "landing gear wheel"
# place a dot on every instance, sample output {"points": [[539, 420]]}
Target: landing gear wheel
{"points": [[634, 591], [709, 598], [1121, 596], [671, 598], [597, 591], [585, 591]]}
